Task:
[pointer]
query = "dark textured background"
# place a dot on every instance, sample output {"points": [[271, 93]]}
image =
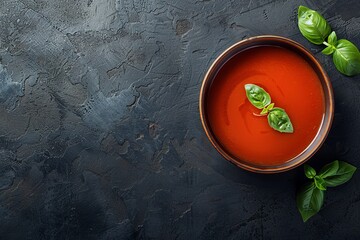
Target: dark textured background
{"points": [[100, 136]]}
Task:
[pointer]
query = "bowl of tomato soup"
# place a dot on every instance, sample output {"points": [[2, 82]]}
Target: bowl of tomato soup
{"points": [[296, 82]]}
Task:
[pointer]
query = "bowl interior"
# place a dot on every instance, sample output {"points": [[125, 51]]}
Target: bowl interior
{"points": [[322, 76]]}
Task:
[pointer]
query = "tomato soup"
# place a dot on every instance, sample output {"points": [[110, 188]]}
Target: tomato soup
{"points": [[292, 84]]}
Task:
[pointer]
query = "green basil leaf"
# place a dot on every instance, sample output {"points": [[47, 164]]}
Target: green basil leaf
{"points": [[320, 183], [257, 96], [347, 58], [309, 171], [309, 200], [312, 25], [343, 174], [329, 169], [332, 39], [264, 111], [267, 109], [328, 50], [270, 107], [280, 121]]}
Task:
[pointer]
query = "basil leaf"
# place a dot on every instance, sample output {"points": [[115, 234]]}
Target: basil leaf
{"points": [[309, 171], [329, 169], [332, 39], [270, 107], [343, 174], [280, 121], [347, 58], [309, 200], [264, 111], [320, 183], [267, 109], [257, 96], [328, 50], [312, 25]]}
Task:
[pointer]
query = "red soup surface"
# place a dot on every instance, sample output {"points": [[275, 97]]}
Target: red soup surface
{"points": [[292, 84]]}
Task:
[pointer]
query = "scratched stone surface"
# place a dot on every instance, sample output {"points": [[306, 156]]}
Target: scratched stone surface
{"points": [[100, 136]]}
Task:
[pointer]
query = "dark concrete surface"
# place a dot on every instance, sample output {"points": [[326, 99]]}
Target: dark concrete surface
{"points": [[100, 136]]}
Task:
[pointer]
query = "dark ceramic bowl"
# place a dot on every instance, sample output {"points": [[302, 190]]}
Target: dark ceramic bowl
{"points": [[269, 40]]}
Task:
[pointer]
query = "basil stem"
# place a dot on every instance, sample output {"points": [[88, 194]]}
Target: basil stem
{"points": [[257, 96], [280, 121], [312, 25]]}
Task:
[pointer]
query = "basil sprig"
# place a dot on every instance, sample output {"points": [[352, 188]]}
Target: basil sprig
{"points": [[310, 197], [277, 117], [313, 26]]}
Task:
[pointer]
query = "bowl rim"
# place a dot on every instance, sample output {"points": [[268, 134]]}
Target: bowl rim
{"points": [[326, 87]]}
